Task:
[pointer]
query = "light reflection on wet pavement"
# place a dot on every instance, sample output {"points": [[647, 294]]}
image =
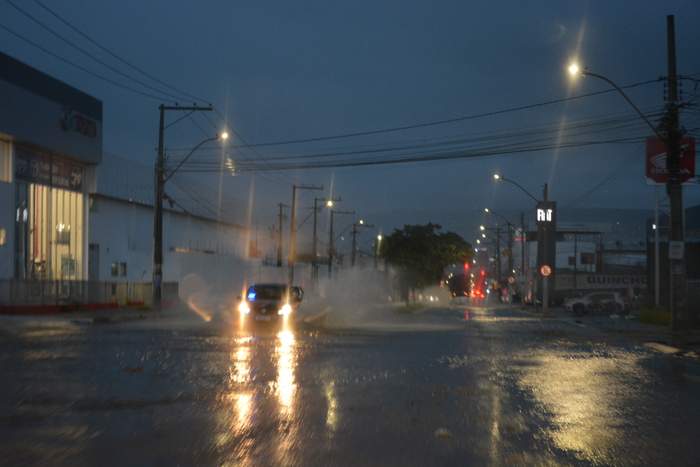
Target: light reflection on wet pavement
{"points": [[502, 388]]}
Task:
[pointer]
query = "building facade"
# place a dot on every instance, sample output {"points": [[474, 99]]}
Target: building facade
{"points": [[50, 143]]}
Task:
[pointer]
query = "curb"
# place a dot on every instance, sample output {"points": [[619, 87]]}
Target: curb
{"points": [[318, 318]]}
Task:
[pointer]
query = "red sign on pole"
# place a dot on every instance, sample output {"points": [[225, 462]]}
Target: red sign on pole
{"points": [[656, 158]]}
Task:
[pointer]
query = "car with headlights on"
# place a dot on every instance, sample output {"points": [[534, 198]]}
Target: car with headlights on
{"points": [[270, 302]]}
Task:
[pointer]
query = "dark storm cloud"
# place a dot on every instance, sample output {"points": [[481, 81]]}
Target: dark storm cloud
{"points": [[282, 70]]}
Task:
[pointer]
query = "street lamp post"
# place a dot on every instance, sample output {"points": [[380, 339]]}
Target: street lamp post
{"points": [[672, 139], [160, 179], [331, 239], [511, 232], [355, 227], [329, 203], [293, 228], [546, 239]]}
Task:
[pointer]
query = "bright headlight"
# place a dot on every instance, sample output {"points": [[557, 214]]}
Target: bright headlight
{"points": [[285, 310], [243, 307]]}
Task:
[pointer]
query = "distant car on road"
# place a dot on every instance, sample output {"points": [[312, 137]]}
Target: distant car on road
{"points": [[610, 302], [270, 302]]}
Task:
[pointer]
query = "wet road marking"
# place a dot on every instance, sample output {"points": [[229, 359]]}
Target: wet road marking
{"points": [[663, 348]]}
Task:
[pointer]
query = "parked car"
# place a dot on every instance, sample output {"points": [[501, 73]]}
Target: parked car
{"points": [[270, 302], [608, 302]]}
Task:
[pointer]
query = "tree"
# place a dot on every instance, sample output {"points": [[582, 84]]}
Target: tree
{"points": [[420, 254]]}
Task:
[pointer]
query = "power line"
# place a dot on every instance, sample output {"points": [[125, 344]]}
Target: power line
{"points": [[86, 52], [272, 177], [79, 67], [575, 128], [449, 120], [114, 55], [443, 156]]}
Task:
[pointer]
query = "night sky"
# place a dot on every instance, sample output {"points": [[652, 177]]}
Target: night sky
{"points": [[287, 70]]}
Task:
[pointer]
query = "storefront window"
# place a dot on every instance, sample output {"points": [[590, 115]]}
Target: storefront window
{"points": [[50, 211], [50, 232], [5, 162]]}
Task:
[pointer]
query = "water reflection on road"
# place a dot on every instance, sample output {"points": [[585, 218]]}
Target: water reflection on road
{"points": [[259, 399], [587, 395]]}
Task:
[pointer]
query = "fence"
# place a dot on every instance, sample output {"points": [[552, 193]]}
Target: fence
{"points": [[33, 292]]}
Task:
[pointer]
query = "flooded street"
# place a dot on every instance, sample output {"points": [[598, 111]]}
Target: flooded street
{"points": [[501, 388]]}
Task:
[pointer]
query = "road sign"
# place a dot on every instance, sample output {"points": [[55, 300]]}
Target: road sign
{"points": [[546, 270], [656, 157], [675, 249]]}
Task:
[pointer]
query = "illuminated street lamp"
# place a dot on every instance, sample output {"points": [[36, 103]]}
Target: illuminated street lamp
{"points": [[483, 235], [329, 203], [500, 178], [376, 251], [482, 228], [575, 71]]}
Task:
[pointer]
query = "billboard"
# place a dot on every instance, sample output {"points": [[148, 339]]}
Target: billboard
{"points": [[656, 157]]}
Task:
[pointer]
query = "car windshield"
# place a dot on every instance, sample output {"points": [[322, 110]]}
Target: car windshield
{"points": [[266, 292]]}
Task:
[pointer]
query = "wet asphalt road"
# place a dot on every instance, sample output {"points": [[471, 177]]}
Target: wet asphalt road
{"points": [[426, 389]]}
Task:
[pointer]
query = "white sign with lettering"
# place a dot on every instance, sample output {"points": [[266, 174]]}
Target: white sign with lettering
{"points": [[544, 215]]}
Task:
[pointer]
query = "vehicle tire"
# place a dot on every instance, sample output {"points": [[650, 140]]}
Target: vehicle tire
{"points": [[579, 309]]}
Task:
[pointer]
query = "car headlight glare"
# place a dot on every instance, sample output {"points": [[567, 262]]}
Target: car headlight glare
{"points": [[285, 310], [244, 308]]}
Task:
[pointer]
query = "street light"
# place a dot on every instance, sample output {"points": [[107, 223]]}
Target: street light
{"points": [[486, 210], [329, 203], [223, 136], [376, 251], [500, 178], [482, 228], [576, 71], [361, 222], [671, 138], [483, 235]]}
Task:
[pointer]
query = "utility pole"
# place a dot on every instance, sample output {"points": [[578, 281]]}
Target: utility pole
{"points": [[498, 252], [657, 267], [331, 240], [160, 178], [523, 243], [280, 220], [511, 233], [677, 289], [329, 203], [377, 246], [355, 226], [293, 228]]}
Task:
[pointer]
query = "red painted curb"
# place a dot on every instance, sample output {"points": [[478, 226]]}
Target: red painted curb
{"points": [[53, 309]]}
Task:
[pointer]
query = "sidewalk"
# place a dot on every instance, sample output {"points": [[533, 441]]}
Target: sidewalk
{"points": [[87, 317]]}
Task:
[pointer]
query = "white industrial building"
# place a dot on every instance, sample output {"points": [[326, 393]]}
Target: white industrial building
{"points": [[68, 234]]}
